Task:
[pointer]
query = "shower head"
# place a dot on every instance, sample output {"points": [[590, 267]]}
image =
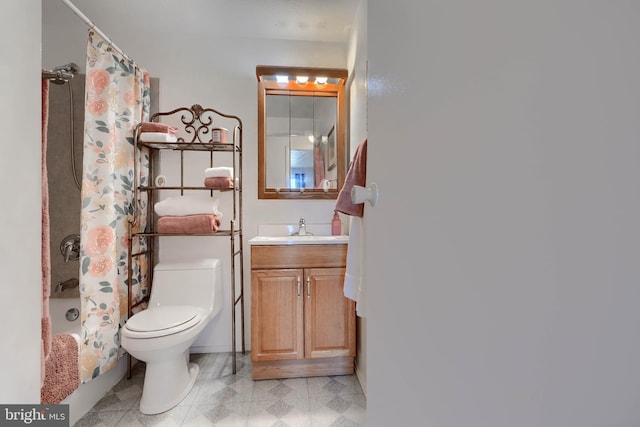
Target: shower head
{"points": [[71, 67], [62, 74], [58, 77]]}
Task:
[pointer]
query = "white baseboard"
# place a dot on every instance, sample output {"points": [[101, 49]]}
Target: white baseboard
{"points": [[362, 378]]}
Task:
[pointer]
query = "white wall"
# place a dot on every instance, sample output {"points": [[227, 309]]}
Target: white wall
{"points": [[197, 65], [357, 60], [504, 138], [357, 63], [20, 154]]}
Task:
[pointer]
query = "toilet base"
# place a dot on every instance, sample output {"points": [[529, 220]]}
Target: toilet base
{"points": [[167, 383]]}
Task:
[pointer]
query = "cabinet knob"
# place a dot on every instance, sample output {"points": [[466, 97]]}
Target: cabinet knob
{"points": [[299, 285], [308, 286]]}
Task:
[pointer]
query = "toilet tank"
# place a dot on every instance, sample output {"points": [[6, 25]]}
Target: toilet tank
{"points": [[193, 282]]}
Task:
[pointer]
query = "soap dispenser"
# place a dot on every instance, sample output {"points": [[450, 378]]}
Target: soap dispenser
{"points": [[336, 224]]}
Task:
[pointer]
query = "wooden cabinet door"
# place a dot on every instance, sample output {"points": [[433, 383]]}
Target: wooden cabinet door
{"points": [[330, 329], [277, 314]]}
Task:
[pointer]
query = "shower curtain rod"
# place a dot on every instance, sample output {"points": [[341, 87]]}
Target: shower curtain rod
{"points": [[93, 27]]}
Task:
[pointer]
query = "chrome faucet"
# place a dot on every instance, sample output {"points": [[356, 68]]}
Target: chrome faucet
{"points": [[69, 283], [302, 229]]}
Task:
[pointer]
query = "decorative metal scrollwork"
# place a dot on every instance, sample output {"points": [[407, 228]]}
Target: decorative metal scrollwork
{"points": [[198, 124], [197, 121]]}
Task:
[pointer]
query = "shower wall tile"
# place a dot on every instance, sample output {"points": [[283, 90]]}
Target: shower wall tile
{"points": [[64, 195]]}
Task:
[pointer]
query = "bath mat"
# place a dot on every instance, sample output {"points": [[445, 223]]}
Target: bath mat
{"points": [[62, 375]]}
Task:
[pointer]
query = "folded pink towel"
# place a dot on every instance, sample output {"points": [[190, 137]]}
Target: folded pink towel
{"points": [[62, 373], [357, 175], [218, 183], [158, 127], [188, 224]]}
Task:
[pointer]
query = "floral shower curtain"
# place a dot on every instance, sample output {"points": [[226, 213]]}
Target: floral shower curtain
{"points": [[116, 100]]}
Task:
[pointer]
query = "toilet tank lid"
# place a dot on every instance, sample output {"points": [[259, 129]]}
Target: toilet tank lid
{"points": [[192, 264]]}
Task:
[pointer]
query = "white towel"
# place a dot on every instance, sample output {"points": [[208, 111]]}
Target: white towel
{"points": [[157, 137], [188, 205], [354, 279], [219, 172]]}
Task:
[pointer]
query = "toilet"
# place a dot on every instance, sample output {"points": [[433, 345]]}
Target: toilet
{"points": [[185, 296]]}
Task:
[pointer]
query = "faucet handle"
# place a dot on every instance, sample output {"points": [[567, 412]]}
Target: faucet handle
{"points": [[70, 247], [301, 220]]}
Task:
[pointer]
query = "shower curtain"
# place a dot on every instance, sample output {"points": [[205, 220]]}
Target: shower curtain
{"points": [[116, 99]]}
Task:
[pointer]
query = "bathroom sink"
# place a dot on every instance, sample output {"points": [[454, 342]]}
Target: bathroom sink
{"points": [[299, 240]]}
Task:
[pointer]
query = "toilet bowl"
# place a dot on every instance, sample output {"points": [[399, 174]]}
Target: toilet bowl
{"points": [[185, 296]]}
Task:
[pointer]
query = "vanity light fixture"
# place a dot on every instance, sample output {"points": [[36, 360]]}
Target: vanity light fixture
{"points": [[302, 79], [321, 80], [282, 79]]}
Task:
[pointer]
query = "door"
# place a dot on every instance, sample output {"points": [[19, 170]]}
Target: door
{"points": [[277, 315], [329, 316]]}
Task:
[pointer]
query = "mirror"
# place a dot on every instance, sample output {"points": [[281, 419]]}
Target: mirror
{"points": [[301, 132]]}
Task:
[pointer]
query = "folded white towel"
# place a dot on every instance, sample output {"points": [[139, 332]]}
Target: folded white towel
{"points": [[157, 137], [219, 172], [188, 205]]}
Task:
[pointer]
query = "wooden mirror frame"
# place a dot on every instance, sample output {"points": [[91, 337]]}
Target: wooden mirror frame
{"points": [[268, 86]]}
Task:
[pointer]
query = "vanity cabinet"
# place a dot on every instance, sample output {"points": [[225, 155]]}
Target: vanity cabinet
{"points": [[301, 323]]}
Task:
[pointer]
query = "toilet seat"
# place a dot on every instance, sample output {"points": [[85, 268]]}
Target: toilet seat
{"points": [[163, 320]]}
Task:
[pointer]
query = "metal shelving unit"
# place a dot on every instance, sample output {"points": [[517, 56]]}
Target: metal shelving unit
{"points": [[197, 123]]}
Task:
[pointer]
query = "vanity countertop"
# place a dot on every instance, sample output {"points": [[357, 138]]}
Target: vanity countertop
{"points": [[299, 240]]}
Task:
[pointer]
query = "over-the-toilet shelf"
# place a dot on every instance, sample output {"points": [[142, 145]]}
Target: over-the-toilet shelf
{"points": [[189, 205]]}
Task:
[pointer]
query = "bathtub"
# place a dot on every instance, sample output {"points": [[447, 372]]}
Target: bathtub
{"points": [[88, 394], [60, 323]]}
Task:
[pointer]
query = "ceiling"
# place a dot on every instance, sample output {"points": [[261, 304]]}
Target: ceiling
{"points": [[307, 20], [315, 20]]}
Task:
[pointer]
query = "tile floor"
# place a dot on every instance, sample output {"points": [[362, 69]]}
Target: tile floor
{"points": [[220, 398]]}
